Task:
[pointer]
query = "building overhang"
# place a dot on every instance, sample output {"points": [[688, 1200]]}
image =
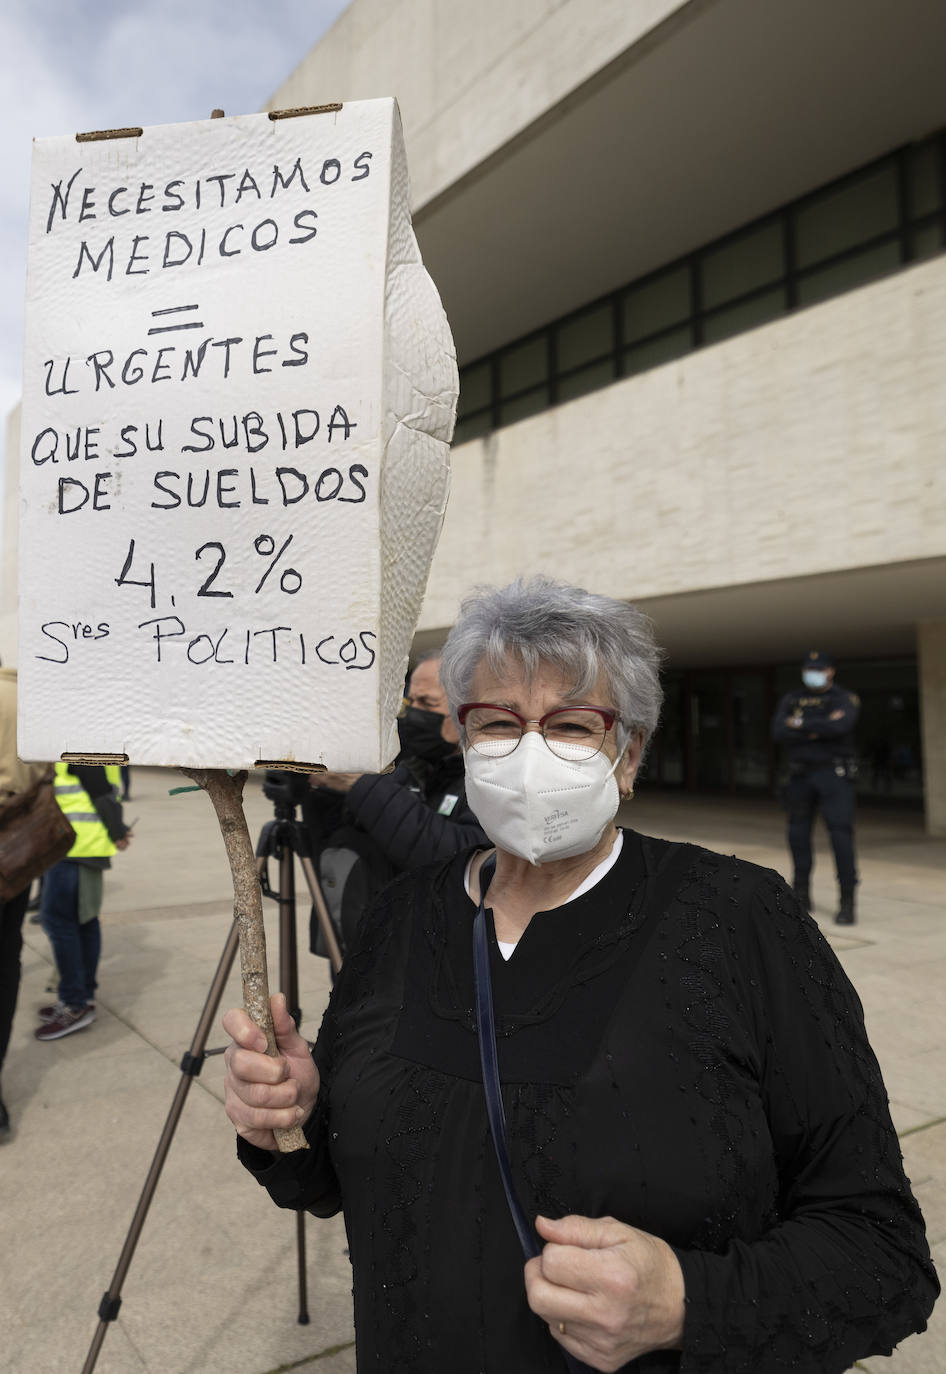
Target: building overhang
{"points": [[724, 112], [857, 613]]}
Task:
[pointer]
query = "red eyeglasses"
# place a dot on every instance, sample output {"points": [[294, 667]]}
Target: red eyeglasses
{"points": [[571, 732]]}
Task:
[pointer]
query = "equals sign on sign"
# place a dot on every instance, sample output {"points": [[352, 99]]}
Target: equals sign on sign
{"points": [[177, 324]]}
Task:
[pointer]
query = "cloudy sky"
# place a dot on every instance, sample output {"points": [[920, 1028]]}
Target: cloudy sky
{"points": [[71, 65]]}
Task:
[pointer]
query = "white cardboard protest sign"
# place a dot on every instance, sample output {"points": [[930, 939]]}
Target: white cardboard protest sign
{"points": [[239, 392]]}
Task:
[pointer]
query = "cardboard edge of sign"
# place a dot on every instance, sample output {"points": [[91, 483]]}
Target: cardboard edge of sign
{"points": [[283, 765], [100, 135]]}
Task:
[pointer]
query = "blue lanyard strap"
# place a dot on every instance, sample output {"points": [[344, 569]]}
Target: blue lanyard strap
{"points": [[486, 1033], [489, 1060]]}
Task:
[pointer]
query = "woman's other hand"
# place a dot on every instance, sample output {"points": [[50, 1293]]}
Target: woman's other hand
{"points": [[263, 1092], [617, 1291]]}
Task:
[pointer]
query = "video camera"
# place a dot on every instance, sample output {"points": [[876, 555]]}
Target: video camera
{"points": [[285, 789]]}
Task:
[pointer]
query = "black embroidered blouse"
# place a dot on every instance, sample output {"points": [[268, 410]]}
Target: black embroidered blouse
{"points": [[680, 1049]]}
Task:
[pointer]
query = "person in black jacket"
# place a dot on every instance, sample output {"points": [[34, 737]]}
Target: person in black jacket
{"points": [[816, 726], [369, 827]]}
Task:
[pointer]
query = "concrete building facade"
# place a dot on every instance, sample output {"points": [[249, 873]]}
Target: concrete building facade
{"points": [[692, 252]]}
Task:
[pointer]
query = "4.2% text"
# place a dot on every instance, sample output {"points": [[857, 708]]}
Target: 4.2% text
{"points": [[214, 556]]}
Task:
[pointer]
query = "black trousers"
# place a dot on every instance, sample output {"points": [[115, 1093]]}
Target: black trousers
{"points": [[806, 794], [11, 944]]}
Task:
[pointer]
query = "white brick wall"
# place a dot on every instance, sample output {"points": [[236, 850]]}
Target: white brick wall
{"points": [[814, 444]]}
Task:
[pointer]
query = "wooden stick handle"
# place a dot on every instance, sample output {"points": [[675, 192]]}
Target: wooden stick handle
{"points": [[226, 793]]}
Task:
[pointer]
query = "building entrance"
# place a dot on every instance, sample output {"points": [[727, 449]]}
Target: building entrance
{"points": [[715, 731]]}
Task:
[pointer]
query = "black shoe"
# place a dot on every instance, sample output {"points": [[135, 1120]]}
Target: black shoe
{"points": [[804, 896], [845, 916], [4, 1122]]}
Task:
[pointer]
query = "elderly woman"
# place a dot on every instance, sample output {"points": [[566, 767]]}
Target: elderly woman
{"points": [[698, 1151]]}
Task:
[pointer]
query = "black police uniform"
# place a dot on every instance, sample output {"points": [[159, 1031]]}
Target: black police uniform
{"points": [[822, 768]]}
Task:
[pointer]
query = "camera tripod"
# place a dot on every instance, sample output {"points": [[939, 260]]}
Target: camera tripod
{"points": [[281, 839]]}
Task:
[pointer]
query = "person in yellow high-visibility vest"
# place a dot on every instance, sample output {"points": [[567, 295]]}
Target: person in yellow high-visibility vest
{"points": [[72, 891]]}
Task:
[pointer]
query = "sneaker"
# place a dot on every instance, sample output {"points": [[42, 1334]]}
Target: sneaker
{"points": [[66, 1020], [50, 1012]]}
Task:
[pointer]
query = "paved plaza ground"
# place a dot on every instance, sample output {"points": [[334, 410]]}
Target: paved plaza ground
{"points": [[212, 1286]]}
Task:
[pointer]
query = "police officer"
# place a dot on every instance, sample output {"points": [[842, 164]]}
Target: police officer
{"points": [[816, 724]]}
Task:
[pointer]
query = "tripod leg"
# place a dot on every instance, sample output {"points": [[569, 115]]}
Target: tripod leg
{"points": [[191, 1065], [289, 984], [288, 960], [303, 1317], [322, 912]]}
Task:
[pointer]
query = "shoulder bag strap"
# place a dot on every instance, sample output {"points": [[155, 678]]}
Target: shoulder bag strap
{"points": [[661, 885], [486, 1034]]}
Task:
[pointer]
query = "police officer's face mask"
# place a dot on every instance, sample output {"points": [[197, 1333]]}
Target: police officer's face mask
{"points": [[816, 678]]}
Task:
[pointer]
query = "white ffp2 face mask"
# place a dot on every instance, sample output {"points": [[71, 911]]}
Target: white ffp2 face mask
{"points": [[814, 677], [540, 807]]}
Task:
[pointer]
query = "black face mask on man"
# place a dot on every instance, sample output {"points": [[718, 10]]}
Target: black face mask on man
{"points": [[420, 736]]}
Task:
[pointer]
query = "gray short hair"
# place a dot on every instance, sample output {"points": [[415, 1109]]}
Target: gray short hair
{"points": [[536, 621]]}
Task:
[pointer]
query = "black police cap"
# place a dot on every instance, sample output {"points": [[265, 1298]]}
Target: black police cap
{"points": [[815, 659]]}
